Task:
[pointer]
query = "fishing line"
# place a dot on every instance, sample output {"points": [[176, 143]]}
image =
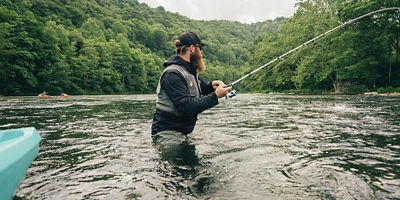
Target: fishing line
{"points": [[272, 68], [234, 92]]}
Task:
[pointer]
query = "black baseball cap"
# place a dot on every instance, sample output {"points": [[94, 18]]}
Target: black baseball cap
{"points": [[190, 38]]}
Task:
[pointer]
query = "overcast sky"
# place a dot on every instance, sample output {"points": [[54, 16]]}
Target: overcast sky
{"points": [[247, 11]]}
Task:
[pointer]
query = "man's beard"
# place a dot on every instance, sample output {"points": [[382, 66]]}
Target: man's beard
{"points": [[197, 61]]}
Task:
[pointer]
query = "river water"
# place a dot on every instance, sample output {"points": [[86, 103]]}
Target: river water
{"points": [[253, 146]]}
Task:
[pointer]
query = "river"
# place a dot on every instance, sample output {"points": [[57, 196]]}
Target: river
{"points": [[253, 146]]}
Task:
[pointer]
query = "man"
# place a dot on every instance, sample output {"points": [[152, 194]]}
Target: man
{"points": [[181, 93]]}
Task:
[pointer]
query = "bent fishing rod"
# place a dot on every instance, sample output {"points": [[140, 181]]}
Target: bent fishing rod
{"points": [[233, 92]]}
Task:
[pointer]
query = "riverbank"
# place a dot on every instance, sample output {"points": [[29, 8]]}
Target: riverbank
{"points": [[288, 92], [383, 94], [333, 93], [390, 91]]}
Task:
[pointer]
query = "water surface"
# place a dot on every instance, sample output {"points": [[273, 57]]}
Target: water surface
{"points": [[250, 147]]}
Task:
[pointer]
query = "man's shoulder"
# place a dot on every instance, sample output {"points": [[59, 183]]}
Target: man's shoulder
{"points": [[172, 75], [175, 69]]}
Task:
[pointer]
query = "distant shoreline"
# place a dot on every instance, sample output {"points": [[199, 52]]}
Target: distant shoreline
{"points": [[332, 93], [383, 94], [272, 93]]}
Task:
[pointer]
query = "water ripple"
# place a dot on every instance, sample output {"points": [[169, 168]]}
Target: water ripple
{"points": [[253, 146]]}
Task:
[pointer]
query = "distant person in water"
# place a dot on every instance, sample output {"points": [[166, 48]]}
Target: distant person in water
{"points": [[63, 94], [181, 93]]}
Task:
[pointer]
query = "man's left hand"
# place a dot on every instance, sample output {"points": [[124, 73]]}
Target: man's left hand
{"points": [[217, 83]]}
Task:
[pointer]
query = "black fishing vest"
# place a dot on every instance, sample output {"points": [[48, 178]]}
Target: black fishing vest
{"points": [[163, 101]]}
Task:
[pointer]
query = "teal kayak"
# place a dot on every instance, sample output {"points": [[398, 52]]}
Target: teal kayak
{"points": [[18, 148]]}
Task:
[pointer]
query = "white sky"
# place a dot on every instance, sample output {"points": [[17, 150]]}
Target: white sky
{"points": [[247, 11]]}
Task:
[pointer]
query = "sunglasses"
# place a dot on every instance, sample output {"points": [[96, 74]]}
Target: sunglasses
{"points": [[200, 47]]}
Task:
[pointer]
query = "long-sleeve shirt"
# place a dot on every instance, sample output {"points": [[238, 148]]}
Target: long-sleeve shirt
{"points": [[175, 85]]}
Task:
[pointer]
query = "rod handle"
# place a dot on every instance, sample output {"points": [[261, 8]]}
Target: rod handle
{"points": [[227, 85]]}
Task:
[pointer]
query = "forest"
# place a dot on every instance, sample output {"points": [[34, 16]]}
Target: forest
{"points": [[118, 47], [361, 57]]}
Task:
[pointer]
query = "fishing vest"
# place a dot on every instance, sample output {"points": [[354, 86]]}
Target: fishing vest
{"points": [[164, 103]]}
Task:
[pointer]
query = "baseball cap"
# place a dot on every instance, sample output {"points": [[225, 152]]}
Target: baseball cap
{"points": [[190, 38]]}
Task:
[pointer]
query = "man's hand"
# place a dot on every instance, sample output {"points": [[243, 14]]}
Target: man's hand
{"points": [[217, 83], [221, 90]]}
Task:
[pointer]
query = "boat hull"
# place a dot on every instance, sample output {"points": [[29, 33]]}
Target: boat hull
{"points": [[18, 148]]}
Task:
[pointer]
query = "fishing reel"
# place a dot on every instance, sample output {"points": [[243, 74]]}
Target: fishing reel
{"points": [[231, 94]]}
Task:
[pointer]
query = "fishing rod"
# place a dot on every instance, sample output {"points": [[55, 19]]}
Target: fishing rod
{"points": [[234, 92]]}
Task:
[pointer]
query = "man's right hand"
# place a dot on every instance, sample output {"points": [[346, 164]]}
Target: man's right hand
{"points": [[222, 91]]}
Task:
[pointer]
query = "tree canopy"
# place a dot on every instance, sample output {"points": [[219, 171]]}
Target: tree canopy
{"points": [[118, 46], [109, 46], [361, 56]]}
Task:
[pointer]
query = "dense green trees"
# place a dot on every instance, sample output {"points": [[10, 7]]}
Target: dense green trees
{"points": [[108, 46], [361, 56], [118, 46]]}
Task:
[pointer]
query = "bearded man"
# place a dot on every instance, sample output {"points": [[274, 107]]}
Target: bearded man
{"points": [[182, 94]]}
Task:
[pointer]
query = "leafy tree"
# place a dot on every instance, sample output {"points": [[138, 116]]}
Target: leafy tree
{"points": [[96, 47], [356, 55]]}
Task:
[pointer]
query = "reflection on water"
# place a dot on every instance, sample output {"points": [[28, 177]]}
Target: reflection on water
{"points": [[180, 165], [248, 147]]}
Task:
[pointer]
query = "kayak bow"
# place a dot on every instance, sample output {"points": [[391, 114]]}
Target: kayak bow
{"points": [[18, 148]]}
